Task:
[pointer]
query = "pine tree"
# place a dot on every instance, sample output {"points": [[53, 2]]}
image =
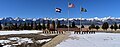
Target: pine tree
{"points": [[25, 26], [48, 24], [53, 24], [105, 26], [28, 26], [5, 24], [20, 26], [119, 26], [39, 26], [73, 24], [112, 27], [11, 26], [6, 27], [115, 26], [70, 26], [89, 27], [97, 27], [31, 27], [82, 26], [35, 26], [16, 27], [92, 26], [58, 24], [0, 26], [64, 26], [43, 25]]}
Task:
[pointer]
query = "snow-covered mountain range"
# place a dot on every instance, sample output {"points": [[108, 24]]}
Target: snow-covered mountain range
{"points": [[85, 21]]}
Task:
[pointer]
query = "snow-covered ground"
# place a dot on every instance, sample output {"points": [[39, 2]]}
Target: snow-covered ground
{"points": [[92, 40], [19, 32], [21, 40]]}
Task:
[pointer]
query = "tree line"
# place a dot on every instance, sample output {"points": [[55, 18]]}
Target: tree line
{"points": [[34, 25], [42, 26], [105, 26]]}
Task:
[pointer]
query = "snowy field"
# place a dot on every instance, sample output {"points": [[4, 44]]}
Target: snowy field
{"points": [[20, 41], [19, 32], [26, 40], [92, 40]]}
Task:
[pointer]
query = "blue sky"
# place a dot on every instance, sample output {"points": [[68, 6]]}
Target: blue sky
{"points": [[46, 8]]}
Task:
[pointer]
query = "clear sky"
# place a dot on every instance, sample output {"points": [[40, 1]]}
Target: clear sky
{"points": [[46, 8]]}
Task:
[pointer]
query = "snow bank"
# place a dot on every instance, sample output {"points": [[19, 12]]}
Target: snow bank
{"points": [[19, 32], [41, 41], [4, 41], [14, 38], [7, 46], [17, 39], [21, 40], [92, 40], [25, 40], [47, 34]]}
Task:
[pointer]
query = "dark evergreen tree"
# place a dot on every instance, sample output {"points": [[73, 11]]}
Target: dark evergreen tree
{"points": [[115, 26], [73, 24], [31, 26], [5, 24], [35, 26], [58, 24], [89, 27], [119, 26], [11, 26], [112, 27], [105, 26], [70, 26], [28, 26], [16, 27], [43, 25], [20, 26], [92, 26], [39, 26], [97, 27], [82, 26], [25, 26], [64, 26], [48, 24], [53, 24], [0, 26]]}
